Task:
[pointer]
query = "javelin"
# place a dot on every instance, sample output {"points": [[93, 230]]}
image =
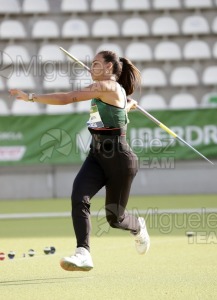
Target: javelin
{"points": [[161, 125]]}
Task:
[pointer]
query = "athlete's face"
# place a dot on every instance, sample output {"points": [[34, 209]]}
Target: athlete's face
{"points": [[99, 68]]}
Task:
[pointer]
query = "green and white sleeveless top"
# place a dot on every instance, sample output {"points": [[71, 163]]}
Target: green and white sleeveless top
{"points": [[104, 115]]}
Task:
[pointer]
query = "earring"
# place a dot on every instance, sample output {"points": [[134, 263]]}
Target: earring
{"points": [[107, 71]]}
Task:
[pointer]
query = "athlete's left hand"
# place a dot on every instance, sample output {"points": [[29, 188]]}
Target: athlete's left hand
{"points": [[131, 104]]}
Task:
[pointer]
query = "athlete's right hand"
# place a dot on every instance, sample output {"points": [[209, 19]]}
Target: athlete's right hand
{"points": [[20, 95]]}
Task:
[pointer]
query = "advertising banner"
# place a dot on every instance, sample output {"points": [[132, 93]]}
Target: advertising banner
{"points": [[65, 139]]}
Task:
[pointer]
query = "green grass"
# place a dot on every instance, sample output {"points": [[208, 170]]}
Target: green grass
{"points": [[140, 202], [161, 224], [172, 269], [176, 267]]}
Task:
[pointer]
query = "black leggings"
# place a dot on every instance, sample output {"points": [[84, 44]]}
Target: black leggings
{"points": [[114, 166]]}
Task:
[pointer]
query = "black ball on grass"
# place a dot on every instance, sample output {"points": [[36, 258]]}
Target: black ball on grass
{"points": [[47, 250], [52, 250], [31, 252], [11, 254]]}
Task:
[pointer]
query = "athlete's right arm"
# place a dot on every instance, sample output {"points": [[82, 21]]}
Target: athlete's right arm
{"points": [[94, 90]]}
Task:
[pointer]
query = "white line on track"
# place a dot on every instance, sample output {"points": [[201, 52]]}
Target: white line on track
{"points": [[150, 211]]}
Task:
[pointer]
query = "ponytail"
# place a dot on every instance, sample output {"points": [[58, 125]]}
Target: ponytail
{"points": [[126, 73], [130, 76]]}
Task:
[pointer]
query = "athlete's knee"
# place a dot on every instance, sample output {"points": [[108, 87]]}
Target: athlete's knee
{"points": [[114, 215], [113, 220]]}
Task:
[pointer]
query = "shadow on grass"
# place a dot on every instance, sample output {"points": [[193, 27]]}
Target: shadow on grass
{"points": [[40, 281]]}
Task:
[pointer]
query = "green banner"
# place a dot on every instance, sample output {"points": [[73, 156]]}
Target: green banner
{"points": [[157, 149], [65, 139]]}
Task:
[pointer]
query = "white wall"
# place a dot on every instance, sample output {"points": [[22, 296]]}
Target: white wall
{"points": [[56, 181]]}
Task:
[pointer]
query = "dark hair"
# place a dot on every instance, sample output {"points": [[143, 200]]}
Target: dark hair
{"points": [[126, 73]]}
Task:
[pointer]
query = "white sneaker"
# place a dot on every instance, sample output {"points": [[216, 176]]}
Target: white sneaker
{"points": [[142, 239], [80, 261]]}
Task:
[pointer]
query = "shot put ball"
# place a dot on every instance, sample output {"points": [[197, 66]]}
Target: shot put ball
{"points": [[52, 250], [11, 254], [47, 250], [31, 252], [2, 256]]}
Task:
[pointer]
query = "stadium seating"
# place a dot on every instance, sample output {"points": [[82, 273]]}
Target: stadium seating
{"points": [[152, 102], [172, 42], [9, 7], [214, 25], [134, 27], [82, 51], [2, 85], [104, 5], [51, 53], [12, 29], [73, 28], [165, 26], [153, 77], [18, 54], [6, 66], [34, 7], [138, 51], [105, 27], [81, 80], [209, 100], [183, 101], [135, 5], [198, 3], [195, 25], [43, 29], [110, 46], [74, 6], [4, 110], [215, 50], [210, 76], [55, 81], [196, 50], [167, 51], [166, 4], [21, 80], [59, 109], [184, 76], [83, 106], [20, 107]]}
